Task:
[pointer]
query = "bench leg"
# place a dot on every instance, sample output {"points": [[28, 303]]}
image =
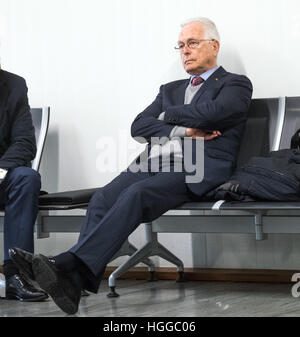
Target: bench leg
{"points": [[39, 225], [151, 248], [129, 249], [126, 249], [160, 250], [138, 256]]}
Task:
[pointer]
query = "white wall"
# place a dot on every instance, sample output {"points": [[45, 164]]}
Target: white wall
{"points": [[97, 64]]}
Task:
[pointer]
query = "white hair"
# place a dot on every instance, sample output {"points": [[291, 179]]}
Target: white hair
{"points": [[211, 31]]}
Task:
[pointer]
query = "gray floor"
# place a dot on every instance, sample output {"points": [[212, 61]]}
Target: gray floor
{"points": [[171, 299]]}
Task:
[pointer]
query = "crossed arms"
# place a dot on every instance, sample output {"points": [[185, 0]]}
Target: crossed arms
{"points": [[227, 108]]}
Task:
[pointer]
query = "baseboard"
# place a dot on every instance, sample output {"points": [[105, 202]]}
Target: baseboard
{"points": [[210, 274]]}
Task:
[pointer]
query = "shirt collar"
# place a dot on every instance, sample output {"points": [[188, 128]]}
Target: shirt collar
{"points": [[206, 75]]}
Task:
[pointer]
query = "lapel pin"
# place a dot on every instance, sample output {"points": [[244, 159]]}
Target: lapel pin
{"points": [[217, 79]]}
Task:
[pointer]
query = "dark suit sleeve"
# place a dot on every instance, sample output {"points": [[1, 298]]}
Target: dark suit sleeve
{"points": [[226, 110], [22, 147], [147, 125]]}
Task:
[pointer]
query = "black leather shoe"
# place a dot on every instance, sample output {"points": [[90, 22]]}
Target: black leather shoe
{"points": [[17, 288], [58, 284], [23, 261]]}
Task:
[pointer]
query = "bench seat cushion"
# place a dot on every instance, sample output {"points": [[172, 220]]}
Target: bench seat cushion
{"points": [[261, 205], [67, 198], [242, 206], [81, 198]]}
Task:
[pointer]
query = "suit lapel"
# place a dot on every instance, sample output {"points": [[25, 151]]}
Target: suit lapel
{"points": [[179, 92], [210, 82]]}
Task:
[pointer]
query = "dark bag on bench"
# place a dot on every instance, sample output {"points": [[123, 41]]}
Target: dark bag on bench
{"points": [[274, 178]]}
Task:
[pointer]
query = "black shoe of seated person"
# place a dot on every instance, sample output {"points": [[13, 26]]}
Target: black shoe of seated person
{"points": [[58, 284], [23, 261], [17, 288]]}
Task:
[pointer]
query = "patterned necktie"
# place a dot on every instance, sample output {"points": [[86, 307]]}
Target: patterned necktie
{"points": [[196, 81]]}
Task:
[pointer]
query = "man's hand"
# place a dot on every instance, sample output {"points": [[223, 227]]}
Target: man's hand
{"points": [[197, 133]]}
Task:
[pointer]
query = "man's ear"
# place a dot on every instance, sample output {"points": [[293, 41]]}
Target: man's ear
{"points": [[216, 46]]}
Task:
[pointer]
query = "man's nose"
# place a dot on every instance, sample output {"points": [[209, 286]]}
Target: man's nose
{"points": [[186, 50]]}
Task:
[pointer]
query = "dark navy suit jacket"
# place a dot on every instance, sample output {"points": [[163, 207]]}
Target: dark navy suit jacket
{"points": [[17, 137], [221, 104]]}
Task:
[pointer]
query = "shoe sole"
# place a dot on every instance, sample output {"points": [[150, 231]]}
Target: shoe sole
{"points": [[48, 281], [21, 299]]}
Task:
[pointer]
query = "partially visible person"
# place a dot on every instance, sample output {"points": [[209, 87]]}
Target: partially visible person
{"points": [[19, 184]]}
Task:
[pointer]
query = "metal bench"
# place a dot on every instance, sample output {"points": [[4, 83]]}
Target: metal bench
{"points": [[270, 125]]}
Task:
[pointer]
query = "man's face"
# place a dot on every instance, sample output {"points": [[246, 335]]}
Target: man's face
{"points": [[204, 57]]}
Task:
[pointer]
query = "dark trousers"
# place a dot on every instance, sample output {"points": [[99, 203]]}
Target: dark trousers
{"points": [[19, 194], [116, 210]]}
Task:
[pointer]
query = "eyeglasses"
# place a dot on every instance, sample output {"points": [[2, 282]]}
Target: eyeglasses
{"points": [[192, 44]]}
